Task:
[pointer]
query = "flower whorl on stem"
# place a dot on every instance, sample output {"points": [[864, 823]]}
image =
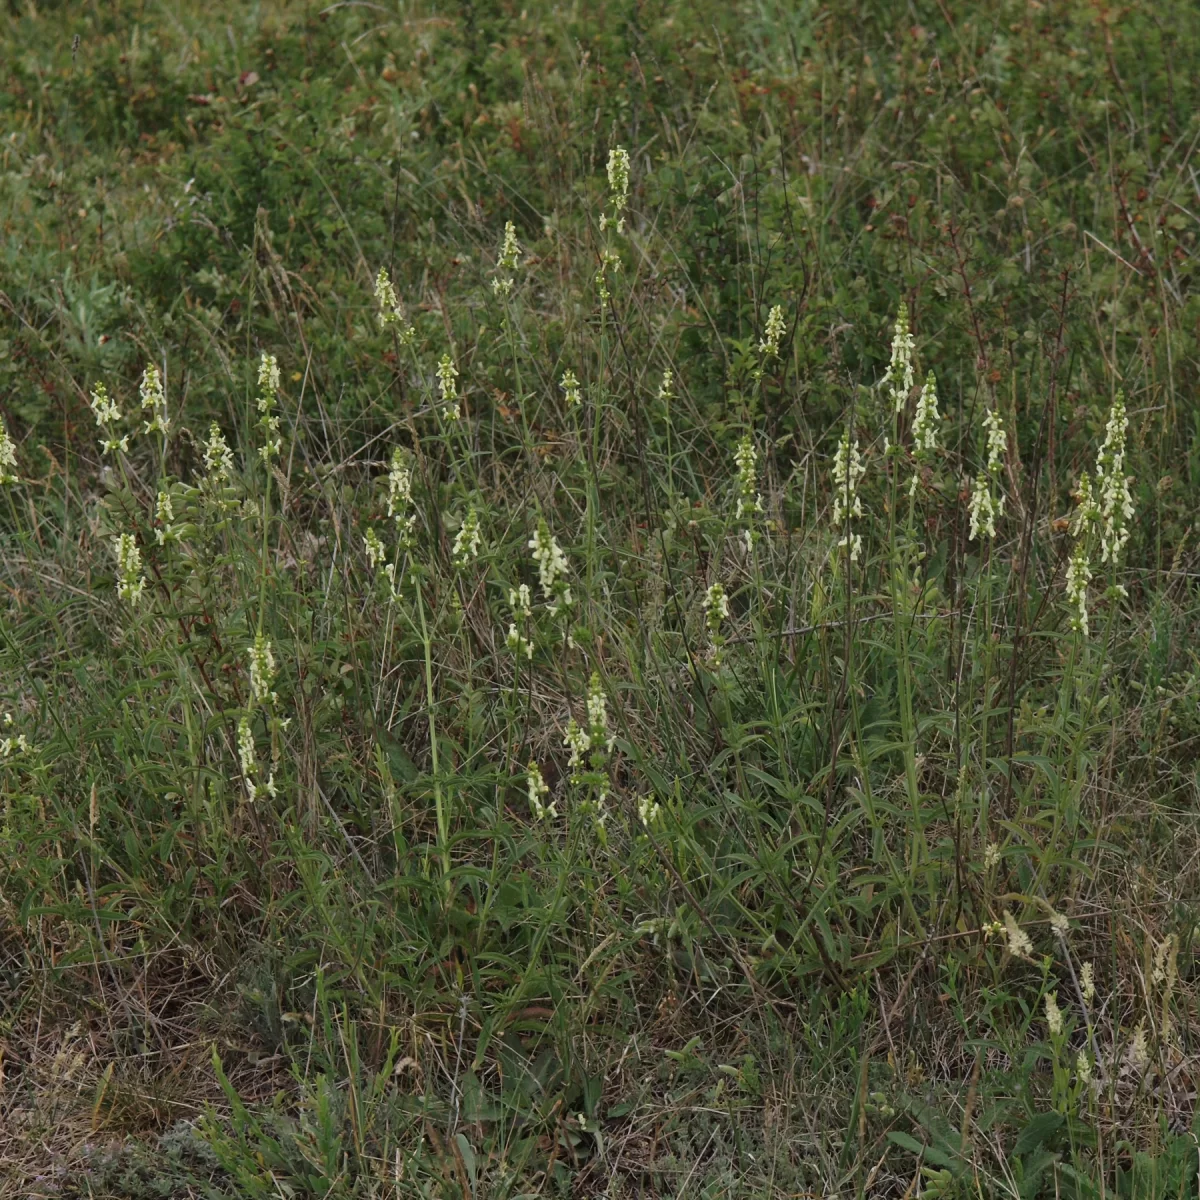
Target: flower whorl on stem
{"points": [[1115, 502], [447, 372], [107, 415], [8, 457], [268, 422], [506, 264], [1079, 575], [155, 400], [848, 470], [131, 578], [552, 568], [391, 311], [618, 187], [570, 386], [769, 346], [262, 669], [899, 376], [218, 458], [399, 501], [468, 538], [987, 501]]}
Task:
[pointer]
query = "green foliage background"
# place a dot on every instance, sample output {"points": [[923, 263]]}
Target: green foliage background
{"points": [[391, 979]]}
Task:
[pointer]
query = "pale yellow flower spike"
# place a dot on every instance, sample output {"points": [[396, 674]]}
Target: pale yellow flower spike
{"points": [[8, 457]]}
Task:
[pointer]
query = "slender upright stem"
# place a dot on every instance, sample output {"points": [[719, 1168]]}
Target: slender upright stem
{"points": [[439, 805]]}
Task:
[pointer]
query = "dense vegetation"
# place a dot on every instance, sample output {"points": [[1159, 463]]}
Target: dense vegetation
{"points": [[599, 599]]}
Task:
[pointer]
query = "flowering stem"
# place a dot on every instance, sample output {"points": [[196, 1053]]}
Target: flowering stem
{"points": [[1066, 808], [439, 806], [880, 847], [266, 522], [593, 498], [1075, 779], [900, 560], [984, 791], [510, 334]]}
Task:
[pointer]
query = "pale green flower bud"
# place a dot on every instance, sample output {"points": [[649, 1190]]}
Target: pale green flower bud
{"points": [[8, 457], [446, 374], [538, 790], [899, 376], [466, 543], [776, 326], [131, 579], [155, 401]]}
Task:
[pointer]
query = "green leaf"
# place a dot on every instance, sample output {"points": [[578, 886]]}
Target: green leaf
{"points": [[1037, 1132], [923, 1151]]}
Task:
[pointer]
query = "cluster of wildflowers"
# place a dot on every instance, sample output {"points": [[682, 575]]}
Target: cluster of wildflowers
{"points": [[609, 261], [154, 401], [516, 642], [577, 742], [218, 470], [925, 427], [848, 470], [447, 373], [164, 515], [399, 501], [1115, 501], [1138, 1055], [8, 457], [590, 747], [987, 500], [649, 811], [1165, 970], [1019, 945], [925, 423], [12, 743], [898, 378], [262, 679], [997, 445], [391, 311], [618, 188], [268, 392], [716, 612], [262, 669], [981, 510], [749, 501], [1054, 1017], [666, 389], [1087, 982], [570, 387], [769, 346], [521, 603], [1083, 1069], [131, 578], [1104, 504], [552, 568], [1086, 510], [400, 512], [597, 708], [256, 787], [538, 790], [218, 458], [1079, 575], [376, 550], [468, 538], [107, 416], [510, 255]]}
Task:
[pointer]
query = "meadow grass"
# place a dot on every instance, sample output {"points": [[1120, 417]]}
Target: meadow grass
{"points": [[599, 599]]}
